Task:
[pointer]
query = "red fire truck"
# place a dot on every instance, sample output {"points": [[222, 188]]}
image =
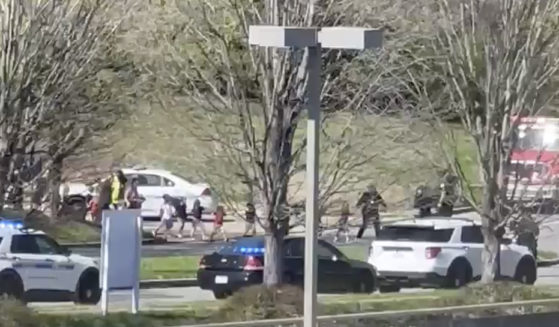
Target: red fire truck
{"points": [[534, 171]]}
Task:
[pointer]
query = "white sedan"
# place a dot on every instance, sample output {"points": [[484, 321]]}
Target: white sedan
{"points": [[154, 183]]}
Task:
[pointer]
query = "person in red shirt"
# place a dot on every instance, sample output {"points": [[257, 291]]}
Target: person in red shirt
{"points": [[218, 224], [93, 208]]}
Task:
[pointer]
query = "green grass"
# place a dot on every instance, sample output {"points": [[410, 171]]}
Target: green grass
{"points": [[148, 139], [169, 267], [547, 255], [354, 252]]}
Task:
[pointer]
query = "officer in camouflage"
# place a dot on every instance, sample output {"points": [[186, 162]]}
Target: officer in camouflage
{"points": [[526, 230], [448, 194], [370, 202]]}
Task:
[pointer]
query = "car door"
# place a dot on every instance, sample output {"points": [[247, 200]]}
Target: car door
{"points": [[334, 272], [38, 270], [150, 187], [294, 261], [62, 265], [472, 241], [171, 188]]}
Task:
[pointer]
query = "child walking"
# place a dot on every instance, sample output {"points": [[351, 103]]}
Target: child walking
{"points": [[343, 223], [167, 213], [197, 223], [218, 224]]}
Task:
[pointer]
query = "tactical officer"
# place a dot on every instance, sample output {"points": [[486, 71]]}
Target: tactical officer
{"points": [[369, 202], [526, 231], [448, 194]]}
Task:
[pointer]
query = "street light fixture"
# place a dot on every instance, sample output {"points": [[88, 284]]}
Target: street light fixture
{"points": [[314, 39]]}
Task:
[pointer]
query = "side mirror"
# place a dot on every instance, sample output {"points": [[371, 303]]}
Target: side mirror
{"points": [[65, 251], [334, 258]]}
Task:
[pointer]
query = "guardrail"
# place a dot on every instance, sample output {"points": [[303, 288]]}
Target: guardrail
{"points": [[384, 314]]}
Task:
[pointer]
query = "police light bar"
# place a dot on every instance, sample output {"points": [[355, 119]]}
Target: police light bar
{"points": [[11, 224], [252, 250]]}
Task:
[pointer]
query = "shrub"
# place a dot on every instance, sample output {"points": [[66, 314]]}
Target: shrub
{"points": [[15, 314], [477, 293], [260, 302]]}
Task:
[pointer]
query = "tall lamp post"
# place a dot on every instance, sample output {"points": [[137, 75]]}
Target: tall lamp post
{"points": [[314, 39]]}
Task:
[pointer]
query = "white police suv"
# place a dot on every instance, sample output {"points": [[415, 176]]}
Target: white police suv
{"points": [[437, 252], [34, 268]]}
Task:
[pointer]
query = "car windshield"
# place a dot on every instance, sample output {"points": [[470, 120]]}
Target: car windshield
{"points": [[416, 234], [249, 246], [546, 139]]}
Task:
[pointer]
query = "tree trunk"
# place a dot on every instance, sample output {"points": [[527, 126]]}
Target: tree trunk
{"points": [[273, 258], [491, 243], [4, 182], [490, 255], [54, 181]]}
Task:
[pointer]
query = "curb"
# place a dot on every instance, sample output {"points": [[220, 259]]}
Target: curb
{"points": [[547, 263], [168, 283], [151, 241]]}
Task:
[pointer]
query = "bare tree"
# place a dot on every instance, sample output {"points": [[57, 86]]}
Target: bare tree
{"points": [[248, 102], [50, 58], [497, 60]]}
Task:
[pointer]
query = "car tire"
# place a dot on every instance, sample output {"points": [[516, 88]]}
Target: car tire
{"points": [[526, 272], [221, 295], [392, 288], [459, 274], [424, 212], [11, 285], [365, 283], [88, 291]]}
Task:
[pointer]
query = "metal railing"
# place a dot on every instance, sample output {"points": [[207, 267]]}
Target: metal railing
{"points": [[383, 315]]}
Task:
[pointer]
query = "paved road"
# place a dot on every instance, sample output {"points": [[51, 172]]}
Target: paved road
{"points": [[150, 299], [154, 299]]}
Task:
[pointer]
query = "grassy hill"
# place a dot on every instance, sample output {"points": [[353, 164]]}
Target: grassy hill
{"points": [[406, 152]]}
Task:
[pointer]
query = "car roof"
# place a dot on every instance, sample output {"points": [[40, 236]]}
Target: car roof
{"points": [[5, 232], [146, 171], [436, 222]]}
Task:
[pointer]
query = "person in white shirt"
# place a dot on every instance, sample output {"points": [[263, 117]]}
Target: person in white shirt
{"points": [[167, 212]]}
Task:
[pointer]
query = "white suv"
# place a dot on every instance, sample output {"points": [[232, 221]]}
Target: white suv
{"points": [[154, 183], [34, 268], [438, 252]]}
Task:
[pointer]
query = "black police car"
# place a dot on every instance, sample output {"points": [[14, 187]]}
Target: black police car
{"points": [[241, 263]]}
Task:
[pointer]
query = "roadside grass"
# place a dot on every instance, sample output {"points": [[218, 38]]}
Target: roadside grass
{"points": [[209, 311], [354, 252], [169, 267], [547, 255]]}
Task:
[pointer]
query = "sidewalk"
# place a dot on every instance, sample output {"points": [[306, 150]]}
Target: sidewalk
{"points": [[236, 227]]}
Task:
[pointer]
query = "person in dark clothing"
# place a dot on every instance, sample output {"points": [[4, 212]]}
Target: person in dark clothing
{"points": [[197, 223], [250, 220], [370, 203], [180, 212]]}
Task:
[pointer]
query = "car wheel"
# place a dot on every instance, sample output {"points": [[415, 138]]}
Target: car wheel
{"points": [[11, 285], [424, 212], [458, 274], [220, 295], [526, 272], [365, 283], [88, 291], [391, 288]]}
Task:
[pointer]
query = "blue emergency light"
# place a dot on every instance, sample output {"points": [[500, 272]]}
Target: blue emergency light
{"points": [[11, 224], [252, 250]]}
